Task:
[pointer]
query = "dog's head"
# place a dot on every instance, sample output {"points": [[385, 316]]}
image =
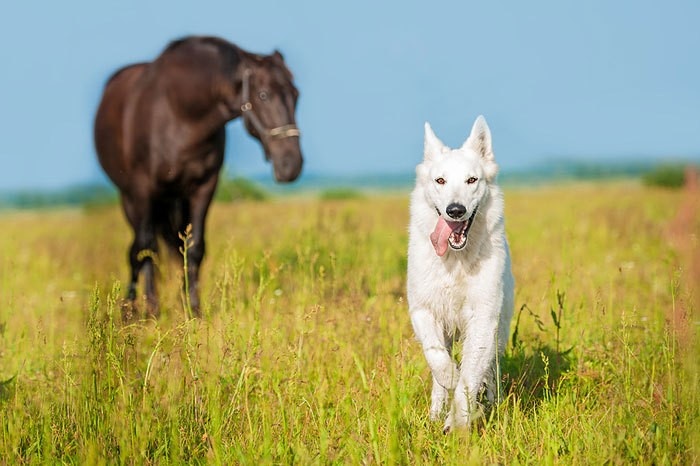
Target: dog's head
{"points": [[456, 182]]}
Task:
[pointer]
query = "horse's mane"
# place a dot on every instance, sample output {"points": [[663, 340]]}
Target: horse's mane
{"points": [[222, 45], [228, 51], [231, 53], [122, 69]]}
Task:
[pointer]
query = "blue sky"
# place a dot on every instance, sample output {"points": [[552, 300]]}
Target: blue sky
{"points": [[601, 79]]}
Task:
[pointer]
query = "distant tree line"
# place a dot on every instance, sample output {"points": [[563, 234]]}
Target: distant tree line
{"points": [[85, 195], [666, 176], [231, 189]]}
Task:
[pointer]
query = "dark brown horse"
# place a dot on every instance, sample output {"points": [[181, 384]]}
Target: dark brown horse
{"points": [[159, 135]]}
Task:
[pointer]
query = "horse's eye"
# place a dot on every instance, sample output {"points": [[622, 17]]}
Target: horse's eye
{"points": [[471, 180], [440, 180], [262, 95]]}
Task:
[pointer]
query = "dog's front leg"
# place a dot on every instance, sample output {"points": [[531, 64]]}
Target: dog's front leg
{"points": [[478, 359], [444, 370], [438, 398]]}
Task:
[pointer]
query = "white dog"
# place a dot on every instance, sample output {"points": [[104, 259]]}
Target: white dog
{"points": [[460, 285]]}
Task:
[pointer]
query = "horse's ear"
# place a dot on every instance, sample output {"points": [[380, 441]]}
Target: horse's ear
{"points": [[278, 59]]}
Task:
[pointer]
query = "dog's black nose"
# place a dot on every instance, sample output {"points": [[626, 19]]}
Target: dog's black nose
{"points": [[455, 210]]}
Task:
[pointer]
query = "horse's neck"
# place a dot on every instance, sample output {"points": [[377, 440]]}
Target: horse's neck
{"points": [[220, 107]]}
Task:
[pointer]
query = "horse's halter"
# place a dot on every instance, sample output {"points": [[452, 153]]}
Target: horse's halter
{"points": [[280, 132]]}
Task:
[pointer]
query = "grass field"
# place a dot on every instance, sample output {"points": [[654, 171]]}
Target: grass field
{"points": [[306, 354]]}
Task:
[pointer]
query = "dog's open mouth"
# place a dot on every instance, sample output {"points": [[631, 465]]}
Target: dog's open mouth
{"points": [[452, 234]]}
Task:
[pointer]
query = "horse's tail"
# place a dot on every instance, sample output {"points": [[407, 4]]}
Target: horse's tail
{"points": [[170, 218]]}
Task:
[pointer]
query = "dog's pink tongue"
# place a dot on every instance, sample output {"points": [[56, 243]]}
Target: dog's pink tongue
{"points": [[439, 236]]}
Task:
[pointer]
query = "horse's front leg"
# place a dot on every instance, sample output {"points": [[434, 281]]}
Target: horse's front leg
{"points": [[199, 206], [142, 251]]}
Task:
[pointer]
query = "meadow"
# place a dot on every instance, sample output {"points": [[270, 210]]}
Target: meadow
{"points": [[306, 355]]}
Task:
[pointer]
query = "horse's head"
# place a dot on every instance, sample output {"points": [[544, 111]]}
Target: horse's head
{"points": [[269, 100]]}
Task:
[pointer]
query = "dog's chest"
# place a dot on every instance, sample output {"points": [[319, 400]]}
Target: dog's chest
{"points": [[449, 294]]}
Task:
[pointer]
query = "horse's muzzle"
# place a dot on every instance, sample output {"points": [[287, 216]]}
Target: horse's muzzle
{"points": [[287, 166]]}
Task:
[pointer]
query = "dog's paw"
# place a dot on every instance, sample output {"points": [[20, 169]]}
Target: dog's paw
{"points": [[453, 423], [455, 419], [438, 398]]}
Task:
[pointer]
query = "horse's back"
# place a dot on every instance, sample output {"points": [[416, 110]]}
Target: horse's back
{"points": [[109, 122]]}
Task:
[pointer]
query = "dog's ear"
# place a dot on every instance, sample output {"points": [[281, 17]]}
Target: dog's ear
{"points": [[480, 139], [432, 146], [480, 142]]}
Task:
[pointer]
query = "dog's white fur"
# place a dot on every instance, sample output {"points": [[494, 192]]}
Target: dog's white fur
{"points": [[466, 295]]}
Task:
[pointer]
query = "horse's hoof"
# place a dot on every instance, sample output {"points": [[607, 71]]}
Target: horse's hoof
{"points": [[129, 311], [153, 312]]}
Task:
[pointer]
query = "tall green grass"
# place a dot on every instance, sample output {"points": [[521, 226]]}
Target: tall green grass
{"points": [[306, 355]]}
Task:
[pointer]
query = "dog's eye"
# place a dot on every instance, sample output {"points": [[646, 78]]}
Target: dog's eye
{"points": [[471, 180], [440, 180]]}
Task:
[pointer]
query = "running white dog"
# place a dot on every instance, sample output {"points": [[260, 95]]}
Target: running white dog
{"points": [[460, 285]]}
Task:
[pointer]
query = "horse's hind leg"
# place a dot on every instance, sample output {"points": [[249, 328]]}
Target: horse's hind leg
{"points": [[142, 252]]}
